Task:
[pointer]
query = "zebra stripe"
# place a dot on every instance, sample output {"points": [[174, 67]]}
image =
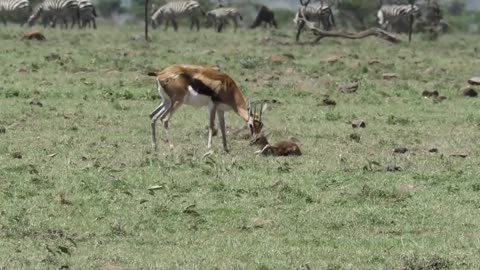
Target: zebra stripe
{"points": [[56, 9], [14, 10], [87, 13], [393, 15], [220, 17], [317, 12], [172, 11]]}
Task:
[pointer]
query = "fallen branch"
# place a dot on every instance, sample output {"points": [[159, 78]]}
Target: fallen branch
{"points": [[349, 35]]}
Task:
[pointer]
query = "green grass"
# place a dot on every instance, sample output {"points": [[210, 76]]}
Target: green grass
{"points": [[331, 208]]}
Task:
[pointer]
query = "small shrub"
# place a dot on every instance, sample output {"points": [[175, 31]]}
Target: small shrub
{"points": [[371, 193], [395, 120], [413, 262], [126, 94], [249, 62], [9, 93]]}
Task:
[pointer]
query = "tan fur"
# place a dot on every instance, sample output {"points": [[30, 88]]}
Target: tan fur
{"points": [[176, 79], [34, 35], [282, 148]]}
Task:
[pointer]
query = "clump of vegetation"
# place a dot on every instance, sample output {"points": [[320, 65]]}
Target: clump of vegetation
{"points": [[413, 262]]}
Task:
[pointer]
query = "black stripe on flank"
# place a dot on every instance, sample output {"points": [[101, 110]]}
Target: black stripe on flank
{"points": [[203, 89]]}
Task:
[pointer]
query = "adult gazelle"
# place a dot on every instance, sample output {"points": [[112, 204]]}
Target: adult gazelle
{"points": [[200, 85]]}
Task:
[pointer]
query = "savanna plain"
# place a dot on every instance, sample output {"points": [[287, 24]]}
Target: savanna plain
{"points": [[76, 162]]}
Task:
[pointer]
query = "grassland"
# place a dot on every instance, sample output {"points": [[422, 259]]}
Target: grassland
{"points": [[76, 161]]}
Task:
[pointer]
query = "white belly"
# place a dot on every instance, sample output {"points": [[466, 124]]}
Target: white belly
{"points": [[195, 99]]}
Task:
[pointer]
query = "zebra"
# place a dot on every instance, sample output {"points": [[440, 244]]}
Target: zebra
{"points": [[14, 10], [56, 9], [220, 17], [316, 12], [175, 10], [46, 17], [396, 17], [87, 13]]}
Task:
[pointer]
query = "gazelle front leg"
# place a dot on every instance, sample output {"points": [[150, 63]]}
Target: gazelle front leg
{"points": [[212, 108], [221, 123]]}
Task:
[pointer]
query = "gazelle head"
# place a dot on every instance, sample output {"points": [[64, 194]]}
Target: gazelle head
{"points": [[254, 122]]}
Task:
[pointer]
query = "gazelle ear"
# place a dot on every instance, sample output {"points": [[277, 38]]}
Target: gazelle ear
{"points": [[264, 108]]}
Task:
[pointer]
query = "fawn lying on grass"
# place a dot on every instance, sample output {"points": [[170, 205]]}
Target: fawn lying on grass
{"points": [[282, 148]]}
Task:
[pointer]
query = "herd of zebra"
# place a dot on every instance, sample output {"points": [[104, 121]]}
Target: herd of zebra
{"points": [[48, 12], [172, 11], [390, 17], [394, 18]]}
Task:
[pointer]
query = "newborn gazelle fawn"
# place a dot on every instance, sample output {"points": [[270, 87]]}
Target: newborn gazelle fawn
{"points": [[199, 86], [282, 148]]}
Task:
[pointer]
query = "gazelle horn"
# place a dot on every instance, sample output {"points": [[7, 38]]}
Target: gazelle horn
{"points": [[260, 116]]}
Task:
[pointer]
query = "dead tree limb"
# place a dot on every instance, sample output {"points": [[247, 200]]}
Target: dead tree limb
{"points": [[349, 35]]}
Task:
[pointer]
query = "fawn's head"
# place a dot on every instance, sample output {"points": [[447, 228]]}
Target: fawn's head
{"points": [[254, 122]]}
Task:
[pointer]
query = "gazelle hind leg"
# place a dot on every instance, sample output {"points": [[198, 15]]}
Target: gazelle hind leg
{"points": [[159, 112]]}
